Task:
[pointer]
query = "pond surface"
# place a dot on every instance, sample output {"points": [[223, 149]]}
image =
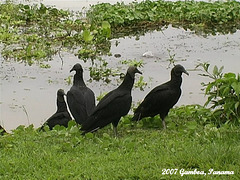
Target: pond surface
{"points": [[28, 94]]}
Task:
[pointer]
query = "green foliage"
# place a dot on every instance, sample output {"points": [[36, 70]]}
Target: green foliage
{"points": [[87, 37], [68, 80], [2, 131], [32, 33], [101, 71], [46, 66], [224, 94], [141, 84], [201, 17], [171, 59], [101, 96], [133, 62], [190, 116], [136, 154]]}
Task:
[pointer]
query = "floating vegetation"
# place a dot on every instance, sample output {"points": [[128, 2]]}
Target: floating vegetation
{"points": [[35, 33], [200, 17]]}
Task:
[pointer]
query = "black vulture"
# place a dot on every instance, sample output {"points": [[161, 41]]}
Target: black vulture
{"points": [[62, 116], [80, 98], [2, 130], [162, 98], [112, 106]]}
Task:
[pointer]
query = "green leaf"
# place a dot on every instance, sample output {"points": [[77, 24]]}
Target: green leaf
{"points": [[229, 75], [209, 87], [226, 91], [106, 28], [89, 135], [29, 49], [26, 7], [236, 87], [74, 129], [105, 135], [71, 123], [106, 25], [236, 106], [46, 128], [59, 128], [215, 70], [192, 125], [87, 37], [221, 69]]}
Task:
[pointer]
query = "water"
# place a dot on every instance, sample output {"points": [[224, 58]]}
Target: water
{"points": [[28, 94], [76, 5]]}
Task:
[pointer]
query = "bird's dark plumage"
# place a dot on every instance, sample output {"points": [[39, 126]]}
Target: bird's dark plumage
{"points": [[80, 98], [112, 106], [62, 116], [162, 98]]}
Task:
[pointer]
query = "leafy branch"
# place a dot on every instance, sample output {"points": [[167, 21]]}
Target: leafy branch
{"points": [[223, 93]]}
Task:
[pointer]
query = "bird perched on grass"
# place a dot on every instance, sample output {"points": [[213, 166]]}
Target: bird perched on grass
{"points": [[162, 98], [62, 116], [80, 98], [112, 106]]}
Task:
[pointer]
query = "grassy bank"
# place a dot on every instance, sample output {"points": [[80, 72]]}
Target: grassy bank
{"points": [[140, 152]]}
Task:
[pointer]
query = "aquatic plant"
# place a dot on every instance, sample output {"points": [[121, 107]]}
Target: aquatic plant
{"points": [[32, 33], [201, 17], [36, 33]]}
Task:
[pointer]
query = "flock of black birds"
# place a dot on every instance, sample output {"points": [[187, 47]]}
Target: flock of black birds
{"points": [[115, 104]]}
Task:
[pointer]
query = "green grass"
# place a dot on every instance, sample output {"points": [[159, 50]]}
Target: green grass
{"points": [[139, 152]]}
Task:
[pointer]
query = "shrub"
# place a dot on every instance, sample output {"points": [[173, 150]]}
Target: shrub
{"points": [[224, 94]]}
